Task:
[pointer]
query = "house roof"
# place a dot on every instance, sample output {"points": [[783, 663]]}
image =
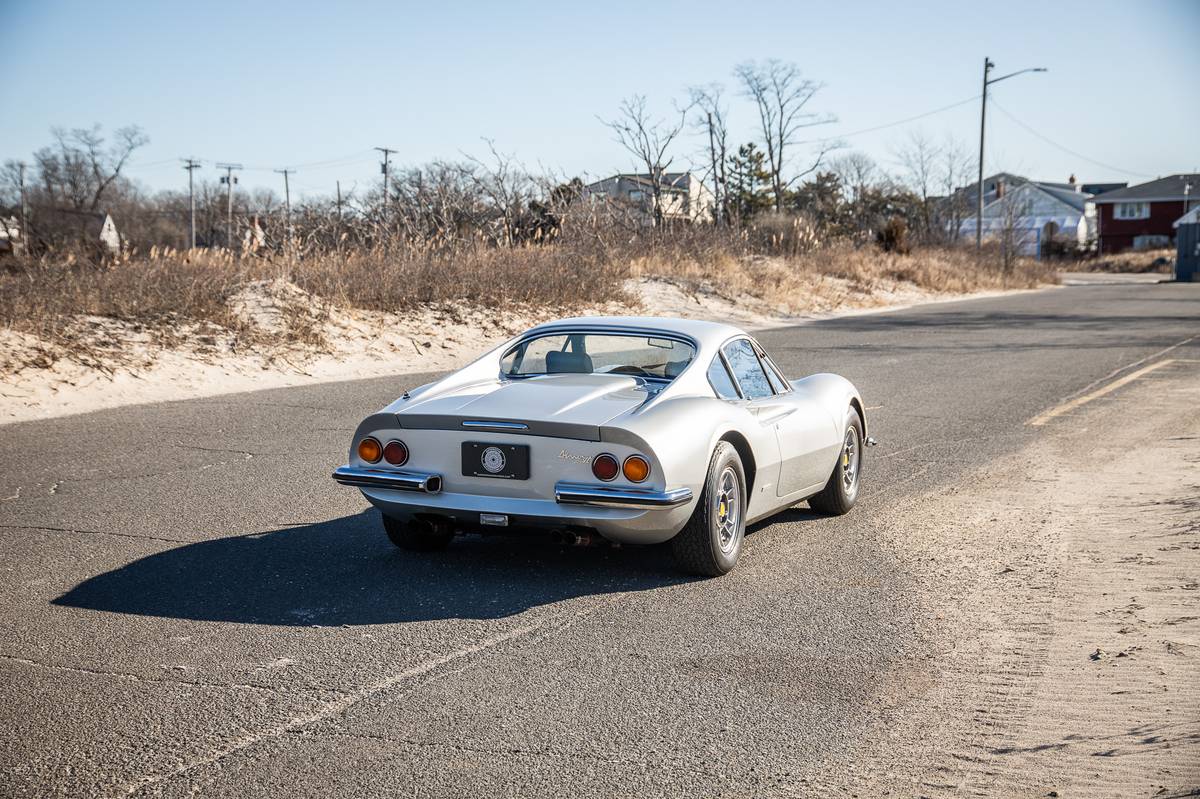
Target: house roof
{"points": [[674, 180], [1076, 199], [1166, 189], [1086, 188]]}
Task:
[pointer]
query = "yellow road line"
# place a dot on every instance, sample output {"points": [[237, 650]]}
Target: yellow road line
{"points": [[1066, 407]]}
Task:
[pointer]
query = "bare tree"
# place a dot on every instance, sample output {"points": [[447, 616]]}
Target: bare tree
{"points": [[78, 169], [957, 170], [1011, 229], [647, 138], [710, 120], [506, 186], [920, 159], [857, 173], [781, 96]]}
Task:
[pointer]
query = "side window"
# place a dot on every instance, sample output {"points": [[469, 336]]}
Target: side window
{"points": [[776, 381], [747, 369], [719, 379]]}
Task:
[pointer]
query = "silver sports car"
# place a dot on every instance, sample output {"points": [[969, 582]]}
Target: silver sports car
{"points": [[636, 430]]}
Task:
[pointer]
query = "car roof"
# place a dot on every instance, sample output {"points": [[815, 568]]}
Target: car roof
{"points": [[705, 333]]}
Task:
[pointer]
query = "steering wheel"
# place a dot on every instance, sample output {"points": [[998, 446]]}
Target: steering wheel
{"points": [[629, 370]]}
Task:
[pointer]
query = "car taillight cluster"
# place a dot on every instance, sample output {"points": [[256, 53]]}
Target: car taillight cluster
{"points": [[606, 467], [371, 451]]}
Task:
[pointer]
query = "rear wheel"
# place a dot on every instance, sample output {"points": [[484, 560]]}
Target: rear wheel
{"points": [[840, 493], [417, 535], [711, 541]]}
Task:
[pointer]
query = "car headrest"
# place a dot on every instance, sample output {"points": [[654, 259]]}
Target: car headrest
{"points": [[568, 363], [673, 368]]}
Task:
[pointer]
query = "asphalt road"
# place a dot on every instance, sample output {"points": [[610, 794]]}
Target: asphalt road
{"points": [[189, 604]]}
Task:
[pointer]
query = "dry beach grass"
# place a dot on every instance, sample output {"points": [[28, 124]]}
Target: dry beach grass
{"points": [[77, 335], [167, 294]]}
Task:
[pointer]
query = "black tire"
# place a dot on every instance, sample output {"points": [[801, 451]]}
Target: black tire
{"points": [[418, 535], [698, 546], [840, 493]]}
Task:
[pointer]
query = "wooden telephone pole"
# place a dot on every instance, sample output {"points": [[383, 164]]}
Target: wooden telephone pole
{"points": [[287, 203], [229, 180], [191, 165]]}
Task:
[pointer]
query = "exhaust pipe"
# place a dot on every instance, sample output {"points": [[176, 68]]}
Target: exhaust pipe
{"points": [[572, 538]]}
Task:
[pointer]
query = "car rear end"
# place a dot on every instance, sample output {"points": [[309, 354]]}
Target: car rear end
{"points": [[495, 474]]}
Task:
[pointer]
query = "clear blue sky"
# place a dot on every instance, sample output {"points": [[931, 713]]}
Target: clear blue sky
{"points": [[274, 84]]}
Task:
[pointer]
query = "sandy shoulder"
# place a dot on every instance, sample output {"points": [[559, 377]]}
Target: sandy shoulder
{"points": [[124, 365], [1063, 613]]}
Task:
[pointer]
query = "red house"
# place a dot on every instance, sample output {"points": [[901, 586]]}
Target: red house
{"points": [[1141, 217]]}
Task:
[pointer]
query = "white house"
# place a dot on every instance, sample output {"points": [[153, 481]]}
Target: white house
{"points": [[1031, 215], [684, 196]]}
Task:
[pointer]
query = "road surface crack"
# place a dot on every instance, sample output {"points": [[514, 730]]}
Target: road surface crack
{"points": [[343, 703], [93, 532], [124, 675]]}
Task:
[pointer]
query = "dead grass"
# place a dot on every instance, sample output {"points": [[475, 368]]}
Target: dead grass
{"points": [[1161, 261], [793, 281], [171, 298]]}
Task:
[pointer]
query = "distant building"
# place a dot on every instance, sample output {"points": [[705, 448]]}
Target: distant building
{"points": [[91, 228], [1034, 216], [995, 184], [683, 196], [1142, 217]]}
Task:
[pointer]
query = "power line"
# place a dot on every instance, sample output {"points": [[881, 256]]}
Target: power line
{"points": [[1068, 150], [361, 156], [887, 125]]}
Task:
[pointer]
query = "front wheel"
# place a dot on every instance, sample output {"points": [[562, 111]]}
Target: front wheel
{"points": [[711, 541], [840, 493]]}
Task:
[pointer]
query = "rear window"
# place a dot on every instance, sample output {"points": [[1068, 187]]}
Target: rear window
{"points": [[598, 353], [719, 379]]}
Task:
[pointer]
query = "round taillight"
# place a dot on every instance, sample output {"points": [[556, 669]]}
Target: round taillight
{"points": [[395, 453], [605, 467], [636, 468], [369, 450]]}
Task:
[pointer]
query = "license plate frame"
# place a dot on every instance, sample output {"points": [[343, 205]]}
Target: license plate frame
{"points": [[478, 460]]}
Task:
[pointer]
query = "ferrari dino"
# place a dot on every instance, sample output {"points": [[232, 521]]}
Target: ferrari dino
{"points": [[634, 430]]}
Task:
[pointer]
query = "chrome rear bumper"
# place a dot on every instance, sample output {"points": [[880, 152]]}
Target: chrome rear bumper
{"points": [[381, 478], [618, 497]]}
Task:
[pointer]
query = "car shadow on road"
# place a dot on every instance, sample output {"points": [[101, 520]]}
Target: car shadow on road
{"points": [[346, 572]]}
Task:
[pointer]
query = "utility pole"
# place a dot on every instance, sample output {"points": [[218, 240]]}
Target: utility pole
{"points": [[191, 164], [384, 168], [24, 208], [287, 204], [987, 68], [229, 180]]}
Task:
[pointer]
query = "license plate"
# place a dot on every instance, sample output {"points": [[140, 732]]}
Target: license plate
{"points": [[505, 461]]}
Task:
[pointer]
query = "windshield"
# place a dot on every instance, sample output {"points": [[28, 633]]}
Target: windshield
{"points": [[598, 353]]}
